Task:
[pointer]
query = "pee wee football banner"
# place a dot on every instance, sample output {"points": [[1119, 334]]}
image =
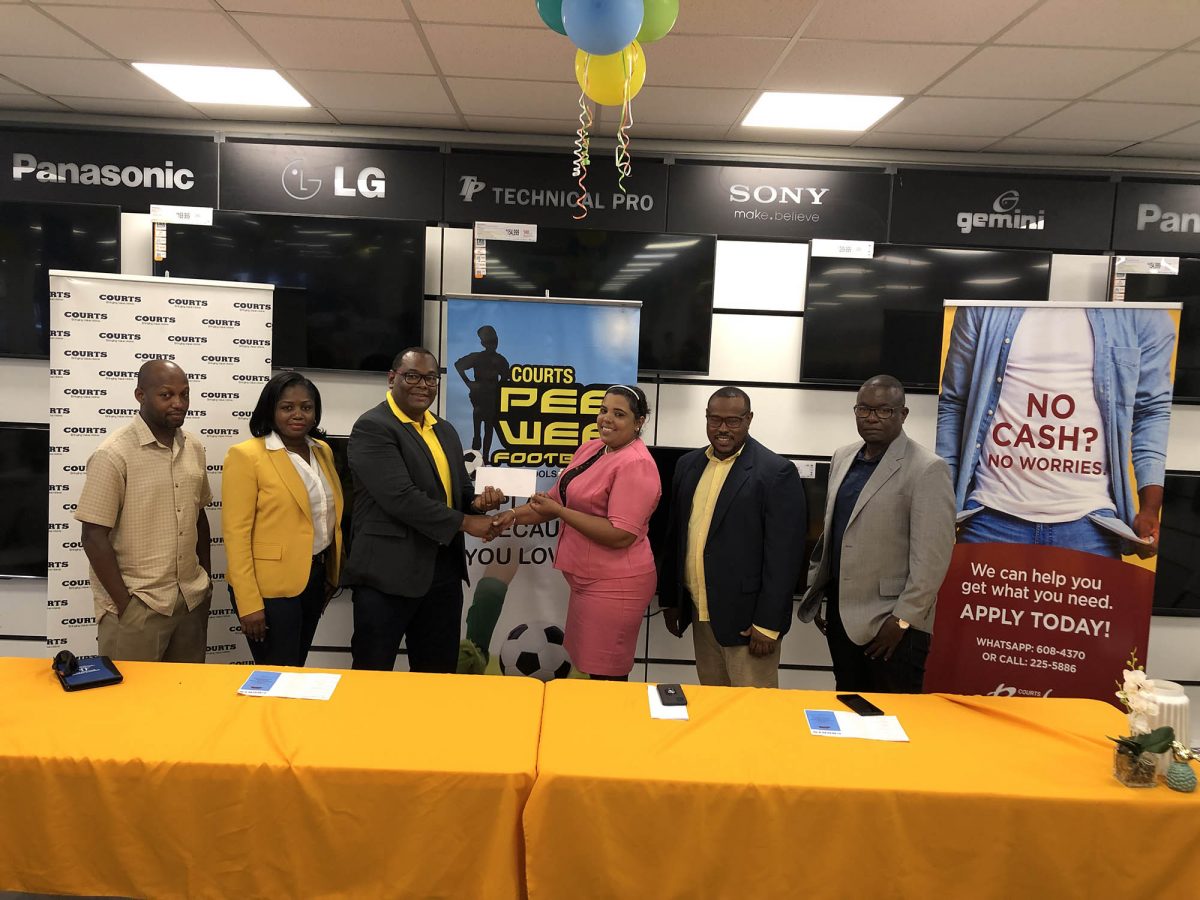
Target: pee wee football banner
{"points": [[525, 379], [104, 328], [1053, 418]]}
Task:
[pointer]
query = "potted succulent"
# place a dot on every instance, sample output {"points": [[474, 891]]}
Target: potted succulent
{"points": [[1133, 761]]}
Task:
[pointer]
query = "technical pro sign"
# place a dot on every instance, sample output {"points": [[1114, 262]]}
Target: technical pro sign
{"points": [[370, 183], [785, 203], [131, 171], [1001, 211], [1158, 217]]}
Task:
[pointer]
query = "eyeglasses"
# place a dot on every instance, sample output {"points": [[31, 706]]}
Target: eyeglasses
{"points": [[417, 378], [881, 412], [731, 422]]}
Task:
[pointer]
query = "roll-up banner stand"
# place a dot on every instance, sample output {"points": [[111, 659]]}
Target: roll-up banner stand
{"points": [[104, 327], [526, 377]]}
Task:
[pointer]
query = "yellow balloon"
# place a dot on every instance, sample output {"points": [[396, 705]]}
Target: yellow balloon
{"points": [[603, 77]]}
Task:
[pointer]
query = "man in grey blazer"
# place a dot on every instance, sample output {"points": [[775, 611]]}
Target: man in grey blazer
{"points": [[413, 501], [885, 548]]}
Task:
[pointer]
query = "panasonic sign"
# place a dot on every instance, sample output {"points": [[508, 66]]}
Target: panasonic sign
{"points": [[166, 176]]}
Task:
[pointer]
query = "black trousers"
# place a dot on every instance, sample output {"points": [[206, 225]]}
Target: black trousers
{"points": [[291, 622], [431, 625], [855, 672]]}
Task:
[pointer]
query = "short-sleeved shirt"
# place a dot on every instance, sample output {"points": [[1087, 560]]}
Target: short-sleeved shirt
{"points": [[150, 496], [622, 487]]}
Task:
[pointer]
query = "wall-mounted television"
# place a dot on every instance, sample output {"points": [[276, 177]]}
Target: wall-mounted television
{"points": [[1177, 579], [671, 274], [25, 511], [349, 293], [865, 317], [1182, 288], [38, 237]]}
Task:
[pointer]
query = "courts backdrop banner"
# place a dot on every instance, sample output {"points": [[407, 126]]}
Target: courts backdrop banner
{"points": [[104, 327], [525, 378], [1053, 419]]}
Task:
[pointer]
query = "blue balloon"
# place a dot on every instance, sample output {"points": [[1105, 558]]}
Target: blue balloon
{"points": [[602, 27]]}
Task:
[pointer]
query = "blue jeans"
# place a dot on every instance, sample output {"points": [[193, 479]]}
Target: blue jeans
{"points": [[989, 526]]}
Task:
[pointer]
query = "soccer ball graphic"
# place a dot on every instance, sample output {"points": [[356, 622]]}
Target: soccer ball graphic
{"points": [[537, 650], [472, 459]]}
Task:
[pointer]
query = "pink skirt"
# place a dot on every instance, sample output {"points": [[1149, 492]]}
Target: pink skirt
{"points": [[604, 616]]}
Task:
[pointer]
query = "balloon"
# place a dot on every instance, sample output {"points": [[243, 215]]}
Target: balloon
{"points": [[659, 19], [551, 13], [603, 77], [602, 27]]}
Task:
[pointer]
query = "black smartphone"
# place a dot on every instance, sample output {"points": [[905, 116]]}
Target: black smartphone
{"points": [[860, 705], [671, 695]]}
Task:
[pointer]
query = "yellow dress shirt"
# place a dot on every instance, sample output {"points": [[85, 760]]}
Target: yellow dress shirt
{"points": [[704, 501], [425, 429]]}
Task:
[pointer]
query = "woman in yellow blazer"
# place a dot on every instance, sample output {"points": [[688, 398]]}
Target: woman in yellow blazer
{"points": [[282, 510]]}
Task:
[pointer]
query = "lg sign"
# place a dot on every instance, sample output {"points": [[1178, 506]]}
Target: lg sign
{"points": [[299, 186]]}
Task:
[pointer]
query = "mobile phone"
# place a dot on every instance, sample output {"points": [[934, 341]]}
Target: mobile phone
{"points": [[671, 695], [860, 705]]}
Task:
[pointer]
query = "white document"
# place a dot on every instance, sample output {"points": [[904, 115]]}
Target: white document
{"points": [[296, 685], [835, 723], [806, 467], [515, 482], [658, 711]]}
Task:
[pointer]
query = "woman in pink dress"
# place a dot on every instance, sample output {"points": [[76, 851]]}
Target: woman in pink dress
{"points": [[604, 498]]}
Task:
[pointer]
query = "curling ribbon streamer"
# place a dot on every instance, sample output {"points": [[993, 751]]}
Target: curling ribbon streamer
{"points": [[622, 158], [582, 154]]}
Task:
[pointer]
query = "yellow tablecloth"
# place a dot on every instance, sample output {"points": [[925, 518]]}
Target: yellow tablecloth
{"points": [[993, 797], [172, 785]]}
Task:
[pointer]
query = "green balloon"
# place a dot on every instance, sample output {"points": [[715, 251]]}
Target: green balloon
{"points": [[551, 13], [659, 19]]}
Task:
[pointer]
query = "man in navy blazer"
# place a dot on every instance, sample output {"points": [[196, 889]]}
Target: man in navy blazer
{"points": [[413, 501], [734, 549]]}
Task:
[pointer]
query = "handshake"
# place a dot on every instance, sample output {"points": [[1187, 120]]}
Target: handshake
{"points": [[488, 528]]}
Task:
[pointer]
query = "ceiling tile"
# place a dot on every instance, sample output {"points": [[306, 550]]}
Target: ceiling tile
{"points": [[795, 137], [1189, 135], [1114, 121], [1057, 147], [1038, 72], [520, 125], [267, 113], [680, 132], [951, 115], [729, 62], [1171, 80], [174, 109], [27, 32], [354, 46], [342, 9], [919, 21], [11, 87], [155, 35], [396, 119], [30, 102], [155, 4], [924, 141], [532, 99], [398, 93], [82, 78], [1151, 24], [493, 12], [747, 18], [859, 67], [690, 106], [530, 53], [1163, 150]]}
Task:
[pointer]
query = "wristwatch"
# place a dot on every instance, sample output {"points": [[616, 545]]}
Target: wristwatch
{"points": [[904, 626]]}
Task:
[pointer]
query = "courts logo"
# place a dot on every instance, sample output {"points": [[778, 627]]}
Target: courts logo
{"points": [[186, 339], [58, 333], [118, 412], [219, 613], [221, 360], [79, 621], [119, 373], [92, 316], [86, 392], [59, 488], [220, 432], [370, 182], [155, 320], [120, 298], [84, 429], [221, 648], [261, 307], [154, 356], [86, 354], [56, 449], [214, 504], [75, 583], [251, 378], [220, 395], [1003, 690], [251, 342], [220, 323], [1003, 215], [58, 526], [60, 410], [186, 301], [213, 467], [122, 336], [60, 295], [165, 177], [60, 373]]}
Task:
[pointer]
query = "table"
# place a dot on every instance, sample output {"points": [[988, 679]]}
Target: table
{"points": [[172, 785], [994, 797]]}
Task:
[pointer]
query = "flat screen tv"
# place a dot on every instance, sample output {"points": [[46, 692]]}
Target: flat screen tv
{"points": [[25, 513], [349, 293], [865, 317], [671, 274], [38, 237], [1183, 288], [1177, 580]]}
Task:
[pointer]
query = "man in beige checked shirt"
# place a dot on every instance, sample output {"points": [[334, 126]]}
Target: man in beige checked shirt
{"points": [[145, 531]]}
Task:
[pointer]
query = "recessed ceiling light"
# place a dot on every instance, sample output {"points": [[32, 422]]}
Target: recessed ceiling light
{"points": [[819, 112], [223, 84]]}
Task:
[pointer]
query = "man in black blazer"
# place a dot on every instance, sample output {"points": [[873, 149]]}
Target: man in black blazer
{"points": [[734, 549], [413, 501]]}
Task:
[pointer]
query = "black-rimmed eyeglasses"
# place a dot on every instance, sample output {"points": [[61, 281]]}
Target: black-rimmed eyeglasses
{"points": [[417, 378], [881, 412], [731, 422]]}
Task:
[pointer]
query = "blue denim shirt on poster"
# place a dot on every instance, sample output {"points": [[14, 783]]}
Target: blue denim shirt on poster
{"points": [[1133, 349]]}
